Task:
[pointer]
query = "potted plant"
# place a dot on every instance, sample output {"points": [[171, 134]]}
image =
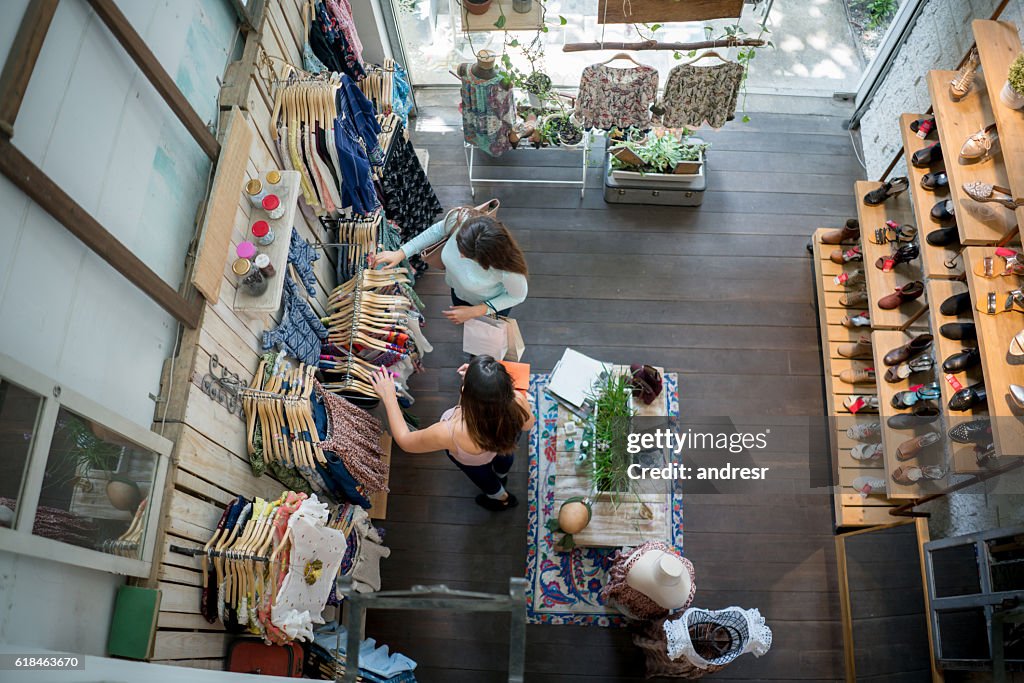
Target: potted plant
{"points": [[1012, 93], [613, 412], [560, 129], [668, 156], [477, 6], [538, 88], [522, 6]]}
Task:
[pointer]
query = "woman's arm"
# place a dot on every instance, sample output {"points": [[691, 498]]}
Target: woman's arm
{"points": [[515, 292], [432, 235], [434, 438], [525, 402]]}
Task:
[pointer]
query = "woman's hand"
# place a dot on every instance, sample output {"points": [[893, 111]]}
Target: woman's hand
{"points": [[460, 314], [386, 259], [384, 385], [462, 370]]}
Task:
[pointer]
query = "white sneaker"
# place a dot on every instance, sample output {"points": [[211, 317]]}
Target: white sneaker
{"points": [[865, 431], [867, 451], [866, 486]]}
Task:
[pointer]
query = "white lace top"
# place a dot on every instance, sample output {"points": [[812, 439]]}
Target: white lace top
{"points": [[747, 625]]}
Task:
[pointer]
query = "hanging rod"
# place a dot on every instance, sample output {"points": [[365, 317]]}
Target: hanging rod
{"points": [[655, 45]]}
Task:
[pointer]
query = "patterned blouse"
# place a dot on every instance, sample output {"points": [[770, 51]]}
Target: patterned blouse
{"points": [[694, 94], [611, 97], [488, 111]]}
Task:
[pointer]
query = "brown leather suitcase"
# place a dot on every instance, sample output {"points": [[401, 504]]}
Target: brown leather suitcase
{"points": [[252, 656]]}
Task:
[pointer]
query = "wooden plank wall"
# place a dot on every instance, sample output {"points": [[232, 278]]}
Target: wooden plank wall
{"points": [[211, 465]]}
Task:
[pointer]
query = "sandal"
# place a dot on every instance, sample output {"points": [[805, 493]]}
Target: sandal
{"points": [[866, 451], [865, 486], [865, 431], [923, 127], [892, 188], [905, 254], [907, 399], [851, 280], [990, 304], [854, 299], [944, 210], [961, 83], [923, 158], [935, 181], [1017, 395], [1017, 344], [984, 454], [984, 192], [904, 370], [861, 404], [979, 146], [485, 501], [850, 255], [912, 447], [908, 476], [852, 323], [1013, 264]]}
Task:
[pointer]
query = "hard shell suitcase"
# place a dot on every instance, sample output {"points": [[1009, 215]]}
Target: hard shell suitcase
{"points": [[252, 656]]}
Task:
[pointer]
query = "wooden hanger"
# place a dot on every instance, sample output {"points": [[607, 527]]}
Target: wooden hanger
{"points": [[709, 53], [621, 55]]}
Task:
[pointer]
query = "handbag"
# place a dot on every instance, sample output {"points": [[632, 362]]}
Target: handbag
{"points": [[494, 336], [252, 656], [431, 255]]}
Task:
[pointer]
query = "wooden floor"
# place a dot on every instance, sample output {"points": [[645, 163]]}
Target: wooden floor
{"points": [[721, 295]]}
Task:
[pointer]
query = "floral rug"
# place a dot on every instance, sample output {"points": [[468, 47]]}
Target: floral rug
{"points": [[564, 588]]}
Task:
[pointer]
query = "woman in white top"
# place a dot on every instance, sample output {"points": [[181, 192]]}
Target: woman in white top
{"points": [[479, 434], [484, 265]]}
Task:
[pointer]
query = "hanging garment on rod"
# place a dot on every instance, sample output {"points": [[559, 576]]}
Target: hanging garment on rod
{"points": [[329, 43], [300, 333], [611, 97], [341, 10], [407, 196], [488, 111], [379, 85], [695, 94], [358, 110]]}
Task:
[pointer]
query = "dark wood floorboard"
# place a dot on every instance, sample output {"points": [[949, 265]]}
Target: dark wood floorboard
{"points": [[721, 295]]}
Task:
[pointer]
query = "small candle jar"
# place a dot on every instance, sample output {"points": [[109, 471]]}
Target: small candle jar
{"points": [[274, 186], [263, 234], [246, 250], [255, 191], [273, 206], [266, 267], [254, 282], [241, 267]]}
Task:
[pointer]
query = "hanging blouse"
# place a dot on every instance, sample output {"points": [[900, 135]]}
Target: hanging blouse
{"points": [[341, 10], [488, 111], [409, 200], [695, 94], [313, 564], [746, 626], [616, 98]]}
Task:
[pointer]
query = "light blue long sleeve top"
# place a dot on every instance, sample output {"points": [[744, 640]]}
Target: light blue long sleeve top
{"points": [[499, 289]]}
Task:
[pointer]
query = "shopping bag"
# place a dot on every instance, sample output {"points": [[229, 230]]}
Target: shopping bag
{"points": [[485, 336], [431, 255], [516, 344]]}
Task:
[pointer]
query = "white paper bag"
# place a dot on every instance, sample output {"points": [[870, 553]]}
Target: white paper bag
{"points": [[485, 336]]}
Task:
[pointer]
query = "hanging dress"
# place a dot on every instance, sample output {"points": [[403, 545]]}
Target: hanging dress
{"points": [[695, 94], [488, 111]]}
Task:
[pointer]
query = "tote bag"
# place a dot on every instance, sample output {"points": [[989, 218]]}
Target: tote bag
{"points": [[493, 336], [432, 255]]}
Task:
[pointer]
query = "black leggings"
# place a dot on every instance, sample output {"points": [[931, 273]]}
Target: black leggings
{"points": [[488, 477]]}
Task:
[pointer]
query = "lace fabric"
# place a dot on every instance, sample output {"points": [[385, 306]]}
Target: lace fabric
{"points": [[748, 627]]}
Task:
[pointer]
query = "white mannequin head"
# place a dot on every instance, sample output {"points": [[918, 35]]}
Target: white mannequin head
{"points": [[662, 577]]}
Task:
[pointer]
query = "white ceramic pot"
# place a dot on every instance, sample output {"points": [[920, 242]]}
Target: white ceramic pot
{"points": [[1010, 97]]}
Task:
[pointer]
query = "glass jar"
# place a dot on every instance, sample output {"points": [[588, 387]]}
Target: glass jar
{"points": [[255, 191], [266, 267], [246, 250], [273, 206], [254, 282], [263, 234], [274, 185]]}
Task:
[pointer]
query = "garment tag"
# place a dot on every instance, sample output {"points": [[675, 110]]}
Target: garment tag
{"points": [[954, 383]]}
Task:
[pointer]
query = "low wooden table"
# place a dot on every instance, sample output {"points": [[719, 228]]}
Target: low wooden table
{"points": [[618, 519]]}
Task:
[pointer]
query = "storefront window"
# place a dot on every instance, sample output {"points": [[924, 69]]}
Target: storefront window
{"points": [[95, 487], [19, 415]]}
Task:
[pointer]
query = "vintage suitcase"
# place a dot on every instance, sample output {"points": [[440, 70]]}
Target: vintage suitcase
{"points": [[252, 656], [677, 193]]}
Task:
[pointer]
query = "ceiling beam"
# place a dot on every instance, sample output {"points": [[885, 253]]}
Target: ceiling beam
{"points": [[21, 60]]}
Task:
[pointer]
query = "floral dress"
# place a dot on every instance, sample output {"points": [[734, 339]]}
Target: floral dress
{"points": [[610, 97], [488, 111], [695, 94]]}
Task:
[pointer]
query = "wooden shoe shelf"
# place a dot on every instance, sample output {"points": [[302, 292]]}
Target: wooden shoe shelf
{"points": [[933, 259], [851, 509], [999, 368], [880, 284], [962, 458], [883, 341], [957, 121]]}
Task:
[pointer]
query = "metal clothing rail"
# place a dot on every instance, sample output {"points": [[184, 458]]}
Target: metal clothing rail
{"points": [[434, 598], [584, 148]]}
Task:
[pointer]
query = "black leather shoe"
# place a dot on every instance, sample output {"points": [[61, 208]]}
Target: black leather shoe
{"points": [[975, 431], [912, 421], [959, 331], [956, 304], [968, 397], [944, 210], [944, 237], [959, 362]]}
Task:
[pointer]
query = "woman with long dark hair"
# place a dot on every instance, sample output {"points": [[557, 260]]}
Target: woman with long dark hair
{"points": [[479, 434], [484, 265]]}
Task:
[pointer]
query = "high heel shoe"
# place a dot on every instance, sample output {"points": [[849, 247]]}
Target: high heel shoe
{"points": [[979, 146], [961, 83], [890, 189], [983, 192], [905, 254]]}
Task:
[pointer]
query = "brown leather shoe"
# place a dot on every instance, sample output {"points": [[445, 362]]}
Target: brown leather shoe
{"points": [[858, 376], [848, 233], [857, 297], [912, 447], [915, 346], [858, 349], [902, 295]]}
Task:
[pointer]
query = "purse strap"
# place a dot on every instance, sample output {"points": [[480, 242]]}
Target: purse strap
{"points": [[464, 213]]}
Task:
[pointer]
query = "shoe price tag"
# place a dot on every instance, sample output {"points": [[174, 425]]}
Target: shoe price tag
{"points": [[842, 278], [954, 383], [856, 406], [887, 264], [924, 128], [916, 387]]}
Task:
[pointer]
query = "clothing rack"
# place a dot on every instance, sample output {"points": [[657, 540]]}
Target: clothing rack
{"points": [[281, 405], [379, 85], [655, 45], [583, 148]]}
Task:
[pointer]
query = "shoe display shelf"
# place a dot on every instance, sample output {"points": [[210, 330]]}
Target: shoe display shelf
{"points": [[979, 224], [933, 259], [883, 341], [962, 458], [851, 508], [999, 367], [880, 284]]}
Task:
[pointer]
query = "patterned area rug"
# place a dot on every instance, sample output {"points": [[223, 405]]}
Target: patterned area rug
{"points": [[564, 588]]}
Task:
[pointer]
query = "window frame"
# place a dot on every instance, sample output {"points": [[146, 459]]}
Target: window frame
{"points": [[19, 539]]}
